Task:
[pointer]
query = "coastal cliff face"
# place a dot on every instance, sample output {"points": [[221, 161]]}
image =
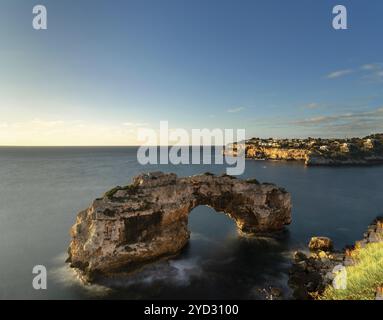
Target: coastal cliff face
{"points": [[147, 220], [277, 153]]}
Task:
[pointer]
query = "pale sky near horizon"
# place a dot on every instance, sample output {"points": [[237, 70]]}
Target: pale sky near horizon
{"points": [[104, 68]]}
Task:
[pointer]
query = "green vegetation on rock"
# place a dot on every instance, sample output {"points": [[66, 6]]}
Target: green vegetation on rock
{"points": [[363, 278]]}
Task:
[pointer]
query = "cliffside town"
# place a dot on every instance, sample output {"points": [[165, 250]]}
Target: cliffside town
{"points": [[315, 151]]}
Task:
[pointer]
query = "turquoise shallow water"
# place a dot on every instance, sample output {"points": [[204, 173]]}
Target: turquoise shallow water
{"points": [[42, 189]]}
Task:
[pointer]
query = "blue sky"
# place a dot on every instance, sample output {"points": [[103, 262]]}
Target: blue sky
{"points": [[103, 68]]}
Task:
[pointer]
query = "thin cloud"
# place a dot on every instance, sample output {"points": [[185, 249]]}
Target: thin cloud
{"points": [[369, 71], [339, 73], [135, 124], [374, 72], [312, 105], [40, 132], [344, 124], [375, 116], [235, 110], [371, 67], [48, 124]]}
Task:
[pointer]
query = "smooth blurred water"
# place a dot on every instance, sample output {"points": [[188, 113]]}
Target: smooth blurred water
{"points": [[42, 189]]}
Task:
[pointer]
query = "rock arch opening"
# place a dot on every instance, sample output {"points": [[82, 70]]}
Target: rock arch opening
{"points": [[208, 225]]}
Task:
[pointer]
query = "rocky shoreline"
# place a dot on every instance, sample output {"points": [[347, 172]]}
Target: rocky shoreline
{"points": [[322, 161], [311, 274], [147, 220]]}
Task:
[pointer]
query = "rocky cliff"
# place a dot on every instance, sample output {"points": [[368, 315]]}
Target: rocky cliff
{"points": [[277, 153], [147, 220]]}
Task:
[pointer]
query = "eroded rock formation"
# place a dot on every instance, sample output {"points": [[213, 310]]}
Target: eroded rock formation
{"points": [[130, 226]]}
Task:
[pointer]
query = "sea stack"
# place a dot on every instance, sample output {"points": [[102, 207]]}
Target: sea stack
{"points": [[148, 220]]}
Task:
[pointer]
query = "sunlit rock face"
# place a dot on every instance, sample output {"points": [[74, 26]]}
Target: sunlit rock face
{"points": [[277, 153], [147, 220]]}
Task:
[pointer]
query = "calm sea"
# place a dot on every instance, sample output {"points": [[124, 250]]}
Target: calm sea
{"points": [[42, 189]]}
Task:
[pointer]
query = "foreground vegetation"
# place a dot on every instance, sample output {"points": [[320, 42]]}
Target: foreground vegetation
{"points": [[363, 278]]}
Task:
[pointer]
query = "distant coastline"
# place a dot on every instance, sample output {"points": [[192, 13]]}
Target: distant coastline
{"points": [[315, 151]]}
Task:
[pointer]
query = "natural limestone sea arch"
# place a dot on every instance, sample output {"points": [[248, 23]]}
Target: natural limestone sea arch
{"points": [[148, 220]]}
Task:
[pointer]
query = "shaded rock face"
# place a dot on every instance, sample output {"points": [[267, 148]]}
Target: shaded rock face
{"points": [[147, 220], [309, 275]]}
